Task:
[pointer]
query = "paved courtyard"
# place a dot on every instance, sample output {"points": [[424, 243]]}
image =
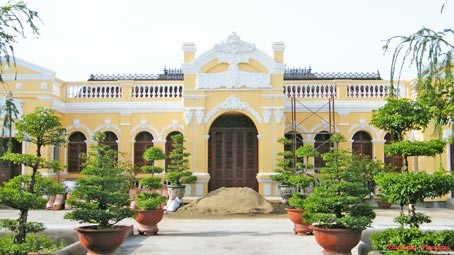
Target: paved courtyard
{"points": [[270, 234]]}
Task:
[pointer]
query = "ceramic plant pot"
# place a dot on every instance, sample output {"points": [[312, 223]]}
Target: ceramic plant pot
{"points": [[176, 191], [286, 191], [101, 241], [296, 216], [148, 221], [337, 241]]}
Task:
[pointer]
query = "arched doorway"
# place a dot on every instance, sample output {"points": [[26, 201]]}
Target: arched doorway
{"points": [[233, 152]]}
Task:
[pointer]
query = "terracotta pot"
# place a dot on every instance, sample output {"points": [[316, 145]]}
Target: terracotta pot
{"points": [[101, 241], [59, 202], [337, 241], [50, 202], [383, 205], [286, 191], [176, 191], [67, 205], [148, 221], [296, 216]]}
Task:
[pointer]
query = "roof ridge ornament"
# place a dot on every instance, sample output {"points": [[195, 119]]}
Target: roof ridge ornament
{"points": [[234, 45]]}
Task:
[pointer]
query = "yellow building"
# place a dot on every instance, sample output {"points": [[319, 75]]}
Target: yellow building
{"points": [[232, 104]]}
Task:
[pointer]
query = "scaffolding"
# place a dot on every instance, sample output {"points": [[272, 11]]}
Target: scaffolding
{"points": [[330, 121]]}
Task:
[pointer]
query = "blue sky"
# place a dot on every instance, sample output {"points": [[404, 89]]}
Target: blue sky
{"points": [[80, 37]]}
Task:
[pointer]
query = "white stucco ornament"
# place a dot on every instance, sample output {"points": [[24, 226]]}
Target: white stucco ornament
{"points": [[278, 115], [234, 45], [188, 116], [199, 114], [234, 51], [76, 123], [233, 103], [266, 115]]}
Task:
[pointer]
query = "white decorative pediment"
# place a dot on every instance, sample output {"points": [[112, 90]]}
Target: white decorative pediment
{"points": [[233, 51], [234, 45], [233, 103]]}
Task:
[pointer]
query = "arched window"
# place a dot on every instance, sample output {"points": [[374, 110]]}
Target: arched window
{"points": [[396, 161], [322, 145], [76, 147], [362, 144], [144, 140], [111, 140], [297, 141], [169, 146]]}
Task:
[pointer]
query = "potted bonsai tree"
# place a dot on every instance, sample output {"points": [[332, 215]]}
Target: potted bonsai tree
{"points": [[148, 202], [301, 180], [178, 173], [337, 209], [101, 198], [284, 171], [297, 201]]}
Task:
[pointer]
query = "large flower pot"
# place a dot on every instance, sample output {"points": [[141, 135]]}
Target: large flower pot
{"points": [[383, 205], [101, 241], [148, 221], [296, 216], [286, 191], [337, 241], [176, 191]]}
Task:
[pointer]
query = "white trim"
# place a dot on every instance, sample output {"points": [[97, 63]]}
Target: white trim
{"points": [[194, 96], [340, 106], [273, 96], [114, 107], [28, 77]]}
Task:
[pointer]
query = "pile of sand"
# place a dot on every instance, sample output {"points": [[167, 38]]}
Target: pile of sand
{"points": [[225, 201]]}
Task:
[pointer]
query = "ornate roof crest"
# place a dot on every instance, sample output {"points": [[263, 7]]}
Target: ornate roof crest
{"points": [[234, 45]]}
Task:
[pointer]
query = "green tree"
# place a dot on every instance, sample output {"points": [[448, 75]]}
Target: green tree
{"points": [[41, 128], [178, 168], [102, 196]]}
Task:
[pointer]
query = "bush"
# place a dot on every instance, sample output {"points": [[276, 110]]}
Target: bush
{"points": [[412, 241], [33, 243]]}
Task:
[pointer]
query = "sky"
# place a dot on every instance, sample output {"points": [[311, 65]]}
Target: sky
{"points": [[83, 37]]}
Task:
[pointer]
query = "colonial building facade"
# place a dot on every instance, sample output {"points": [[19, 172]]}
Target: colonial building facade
{"points": [[231, 103]]}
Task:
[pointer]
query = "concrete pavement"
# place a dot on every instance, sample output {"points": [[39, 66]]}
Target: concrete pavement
{"points": [[224, 235]]}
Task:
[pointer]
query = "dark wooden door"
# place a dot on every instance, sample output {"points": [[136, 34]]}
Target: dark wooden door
{"points": [[233, 154]]}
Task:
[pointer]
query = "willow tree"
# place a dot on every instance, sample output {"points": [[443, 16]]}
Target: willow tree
{"points": [[430, 52]]}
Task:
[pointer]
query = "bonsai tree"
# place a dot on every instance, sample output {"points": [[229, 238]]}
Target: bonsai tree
{"points": [[25, 192], [101, 197], [284, 170], [178, 172], [338, 199], [305, 152], [148, 199]]}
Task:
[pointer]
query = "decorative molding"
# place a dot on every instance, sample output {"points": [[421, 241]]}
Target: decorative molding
{"points": [[279, 115], [188, 116], [234, 45], [43, 85], [233, 79], [266, 115], [199, 114], [233, 103]]}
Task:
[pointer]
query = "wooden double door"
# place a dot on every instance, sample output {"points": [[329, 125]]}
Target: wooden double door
{"points": [[233, 153]]}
